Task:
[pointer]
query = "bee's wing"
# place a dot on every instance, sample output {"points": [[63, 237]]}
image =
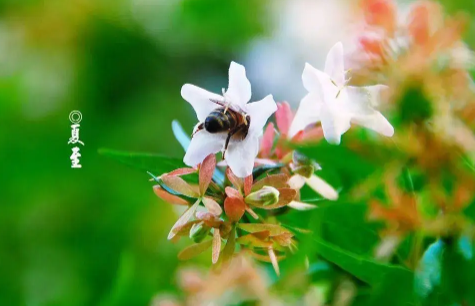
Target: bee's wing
{"points": [[229, 105]]}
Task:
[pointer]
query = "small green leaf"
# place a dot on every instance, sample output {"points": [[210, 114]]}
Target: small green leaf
{"points": [[275, 180], [194, 250], [230, 246]]}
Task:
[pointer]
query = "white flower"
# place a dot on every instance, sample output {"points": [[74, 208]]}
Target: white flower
{"points": [[240, 154], [316, 183], [334, 104]]}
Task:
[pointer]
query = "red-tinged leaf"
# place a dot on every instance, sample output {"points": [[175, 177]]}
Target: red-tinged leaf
{"points": [[212, 206], [194, 250], [273, 260], [276, 180], [262, 235], [297, 137], [230, 246], [210, 219], [233, 193], [286, 196], [248, 184], [167, 197], [236, 181], [265, 258], [181, 171], [309, 135], [234, 208], [284, 239], [187, 215], [253, 241], [184, 230], [267, 141], [179, 185], [175, 239], [216, 245], [284, 117], [206, 172], [273, 229]]}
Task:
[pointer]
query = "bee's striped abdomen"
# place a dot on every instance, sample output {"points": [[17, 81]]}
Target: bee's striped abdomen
{"points": [[217, 121]]}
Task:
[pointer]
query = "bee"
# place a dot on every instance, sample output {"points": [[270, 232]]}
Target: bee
{"points": [[226, 119]]}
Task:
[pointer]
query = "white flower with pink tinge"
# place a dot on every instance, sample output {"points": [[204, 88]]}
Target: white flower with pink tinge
{"points": [[241, 152], [335, 104]]}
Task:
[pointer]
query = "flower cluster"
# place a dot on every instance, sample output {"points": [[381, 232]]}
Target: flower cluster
{"points": [[260, 171]]}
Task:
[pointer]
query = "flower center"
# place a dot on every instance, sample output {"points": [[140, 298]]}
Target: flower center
{"points": [[344, 85]]}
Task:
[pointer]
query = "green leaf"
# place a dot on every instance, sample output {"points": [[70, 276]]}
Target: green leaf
{"points": [[363, 268], [194, 250], [230, 246], [347, 226], [350, 166], [145, 161]]}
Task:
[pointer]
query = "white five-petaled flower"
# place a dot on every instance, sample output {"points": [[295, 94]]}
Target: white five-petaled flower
{"points": [[334, 104], [240, 154]]}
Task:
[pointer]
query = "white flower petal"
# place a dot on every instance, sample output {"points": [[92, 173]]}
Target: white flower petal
{"points": [[322, 187], [239, 88], [334, 66], [307, 113], [301, 206], [241, 154], [376, 122], [296, 182], [360, 104], [202, 144], [334, 125], [259, 112], [319, 83], [362, 100], [199, 98]]}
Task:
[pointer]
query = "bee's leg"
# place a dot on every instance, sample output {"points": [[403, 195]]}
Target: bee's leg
{"points": [[227, 107], [230, 134], [198, 128]]}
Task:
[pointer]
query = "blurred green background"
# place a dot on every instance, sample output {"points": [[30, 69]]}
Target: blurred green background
{"points": [[97, 235]]}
